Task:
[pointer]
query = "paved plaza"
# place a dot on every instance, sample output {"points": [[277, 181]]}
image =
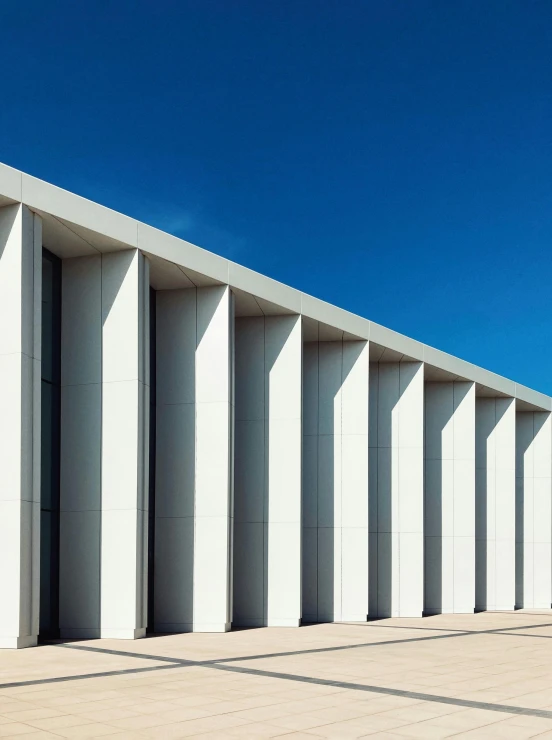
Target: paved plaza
{"points": [[484, 675]]}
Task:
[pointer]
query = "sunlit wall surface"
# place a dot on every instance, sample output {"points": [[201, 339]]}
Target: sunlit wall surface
{"points": [[186, 445]]}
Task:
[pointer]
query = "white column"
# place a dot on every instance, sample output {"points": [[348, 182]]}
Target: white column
{"points": [[124, 463], [20, 352], [533, 510], [214, 468], [396, 489], [335, 481], [194, 475], [449, 524], [267, 540], [81, 441], [495, 504]]}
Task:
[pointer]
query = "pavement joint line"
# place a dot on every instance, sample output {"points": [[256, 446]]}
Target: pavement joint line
{"points": [[433, 698], [220, 662], [102, 674], [386, 691], [125, 654], [374, 623], [334, 648]]}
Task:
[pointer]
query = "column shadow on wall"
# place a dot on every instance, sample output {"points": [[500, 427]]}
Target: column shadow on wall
{"points": [[523, 443], [433, 513], [484, 427], [326, 367], [175, 478], [440, 407], [382, 471], [175, 456], [250, 476], [326, 489], [256, 353]]}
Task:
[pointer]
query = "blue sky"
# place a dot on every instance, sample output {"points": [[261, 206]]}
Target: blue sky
{"points": [[394, 158]]}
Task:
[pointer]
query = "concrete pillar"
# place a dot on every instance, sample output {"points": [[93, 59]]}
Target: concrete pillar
{"points": [[194, 471], [335, 481], [124, 462], [449, 521], [20, 353], [533, 510], [396, 469], [81, 447], [495, 504], [267, 534]]}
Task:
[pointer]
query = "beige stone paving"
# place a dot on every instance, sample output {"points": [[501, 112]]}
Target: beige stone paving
{"points": [[496, 659]]}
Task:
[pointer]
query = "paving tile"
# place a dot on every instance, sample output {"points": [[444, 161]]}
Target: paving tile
{"points": [[64, 720], [358, 727], [11, 729], [299, 736], [126, 736], [512, 667], [37, 735], [26, 714], [384, 736], [196, 727], [93, 729], [499, 731], [298, 722]]}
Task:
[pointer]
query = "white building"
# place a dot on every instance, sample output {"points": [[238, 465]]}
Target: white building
{"points": [[187, 445]]}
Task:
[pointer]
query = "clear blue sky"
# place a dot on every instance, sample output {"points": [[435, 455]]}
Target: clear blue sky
{"points": [[394, 158]]}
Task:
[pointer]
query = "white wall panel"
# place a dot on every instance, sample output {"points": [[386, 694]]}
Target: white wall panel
{"points": [[495, 503], [81, 440], [124, 462], [396, 489], [20, 356], [267, 534], [533, 510], [194, 476], [335, 481], [214, 469], [449, 526]]}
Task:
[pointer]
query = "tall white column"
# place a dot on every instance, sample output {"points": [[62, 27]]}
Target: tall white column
{"points": [[214, 467], [267, 539], [396, 489], [335, 481], [194, 464], [81, 440], [533, 510], [20, 353], [449, 525], [495, 504], [124, 461]]}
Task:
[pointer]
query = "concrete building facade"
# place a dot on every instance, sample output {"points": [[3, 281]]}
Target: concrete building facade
{"points": [[186, 445]]}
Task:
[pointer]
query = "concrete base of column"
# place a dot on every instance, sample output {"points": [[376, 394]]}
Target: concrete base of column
{"points": [[435, 612], [242, 622], [176, 628], [123, 634], [80, 633], [202, 627], [18, 642]]}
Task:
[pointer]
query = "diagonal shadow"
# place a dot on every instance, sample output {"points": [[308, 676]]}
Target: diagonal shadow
{"points": [[382, 690]]}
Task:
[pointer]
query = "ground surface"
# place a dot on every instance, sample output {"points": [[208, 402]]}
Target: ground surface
{"points": [[484, 675]]}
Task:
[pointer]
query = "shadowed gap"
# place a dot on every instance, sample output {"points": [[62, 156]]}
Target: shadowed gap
{"points": [[50, 446]]}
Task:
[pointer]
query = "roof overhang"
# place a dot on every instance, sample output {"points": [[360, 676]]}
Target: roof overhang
{"points": [[74, 226]]}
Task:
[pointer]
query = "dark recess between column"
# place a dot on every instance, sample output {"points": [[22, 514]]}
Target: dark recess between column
{"points": [[50, 445], [152, 448]]}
